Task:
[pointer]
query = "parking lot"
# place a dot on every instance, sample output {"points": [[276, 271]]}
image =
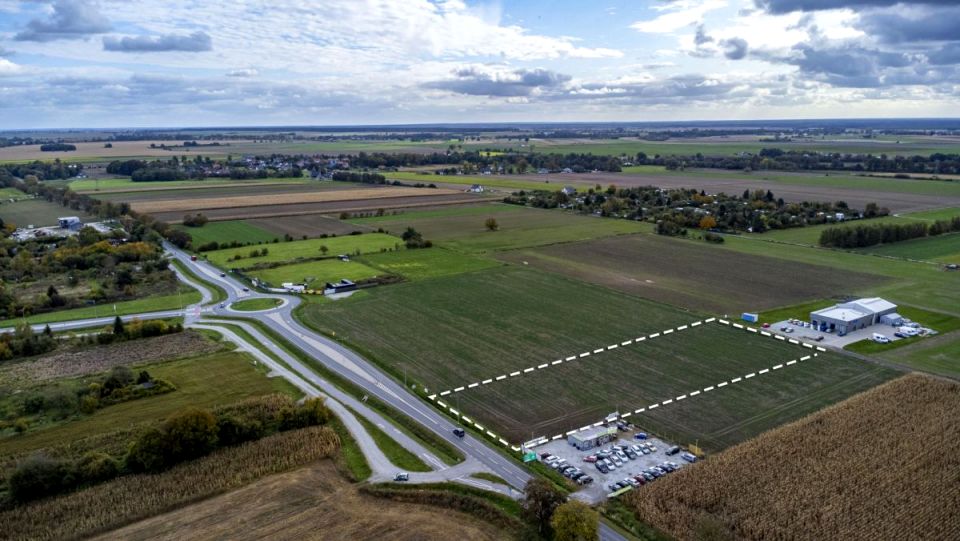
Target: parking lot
{"points": [[796, 329], [598, 490]]}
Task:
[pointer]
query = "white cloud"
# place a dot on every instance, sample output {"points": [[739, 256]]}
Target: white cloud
{"points": [[9, 68], [678, 14]]}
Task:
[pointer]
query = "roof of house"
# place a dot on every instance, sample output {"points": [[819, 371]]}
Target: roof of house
{"points": [[839, 314], [872, 305], [593, 432], [857, 309]]}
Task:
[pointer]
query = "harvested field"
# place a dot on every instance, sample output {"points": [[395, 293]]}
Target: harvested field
{"points": [[217, 190], [310, 503], [238, 201], [693, 274], [113, 504], [881, 465], [497, 321], [426, 198], [37, 212], [93, 360], [311, 225]]}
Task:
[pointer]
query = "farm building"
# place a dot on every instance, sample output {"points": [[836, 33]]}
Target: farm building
{"points": [[69, 222], [342, 286], [294, 288], [593, 437], [859, 314]]}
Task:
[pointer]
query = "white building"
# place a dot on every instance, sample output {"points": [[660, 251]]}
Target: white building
{"points": [[854, 315]]}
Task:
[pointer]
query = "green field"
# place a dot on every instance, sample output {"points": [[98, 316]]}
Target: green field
{"points": [[519, 227], [316, 273], [236, 377], [138, 306], [252, 305], [228, 231], [303, 249], [942, 248], [36, 212], [7, 194], [429, 263], [917, 284], [811, 234], [940, 355], [501, 320]]}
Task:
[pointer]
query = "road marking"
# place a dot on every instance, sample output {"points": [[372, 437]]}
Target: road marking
{"points": [[665, 402], [472, 385], [696, 323], [453, 411], [804, 358], [735, 380], [764, 371], [681, 397], [458, 389], [584, 354], [558, 361], [765, 333], [444, 393], [668, 331], [750, 375], [708, 389], [778, 367], [598, 350], [694, 393], [751, 329], [652, 406], [654, 335], [737, 326], [486, 381], [544, 365], [641, 410], [626, 342], [625, 415], [721, 384], [681, 327], [498, 378], [531, 369], [791, 362], [572, 358], [441, 404], [432, 397], [613, 346], [512, 374], [465, 419], [710, 320]]}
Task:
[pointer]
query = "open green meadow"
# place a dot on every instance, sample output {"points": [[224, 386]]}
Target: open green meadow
{"points": [[36, 212], [316, 273], [519, 227], [6, 194], [942, 248], [428, 263], [228, 231], [940, 355], [502, 320], [217, 379], [139, 306], [283, 252], [252, 305]]}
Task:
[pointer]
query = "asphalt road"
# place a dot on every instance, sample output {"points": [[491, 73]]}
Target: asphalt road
{"points": [[339, 360]]}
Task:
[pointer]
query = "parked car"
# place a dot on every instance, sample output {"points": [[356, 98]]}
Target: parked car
{"points": [[585, 480], [689, 457], [401, 476], [640, 478], [674, 465], [590, 458], [648, 476], [640, 436], [632, 482], [673, 450], [630, 454], [602, 468]]}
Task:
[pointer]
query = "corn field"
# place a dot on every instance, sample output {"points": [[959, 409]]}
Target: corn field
{"points": [[113, 504], [884, 464]]}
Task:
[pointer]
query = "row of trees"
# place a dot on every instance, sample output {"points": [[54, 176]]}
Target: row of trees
{"points": [[865, 235], [185, 435], [57, 147], [800, 160]]}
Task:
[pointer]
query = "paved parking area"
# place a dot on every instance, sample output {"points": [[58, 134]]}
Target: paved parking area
{"points": [[831, 339], [597, 491]]}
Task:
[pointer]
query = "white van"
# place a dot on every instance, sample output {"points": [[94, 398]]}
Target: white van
{"points": [[880, 339]]}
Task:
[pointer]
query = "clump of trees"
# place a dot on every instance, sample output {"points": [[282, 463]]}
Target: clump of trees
{"points": [[57, 147], [195, 220], [23, 342], [548, 510], [185, 435], [414, 239], [353, 176], [864, 235]]}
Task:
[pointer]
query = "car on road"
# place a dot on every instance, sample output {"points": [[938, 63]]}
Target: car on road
{"points": [[402, 476], [223, 275], [222, 305], [193, 258], [246, 290], [459, 432]]}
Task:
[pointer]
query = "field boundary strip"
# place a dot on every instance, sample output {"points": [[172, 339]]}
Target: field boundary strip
{"points": [[543, 439], [617, 345]]}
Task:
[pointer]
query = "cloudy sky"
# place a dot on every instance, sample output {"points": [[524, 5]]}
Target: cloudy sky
{"points": [[106, 63]]}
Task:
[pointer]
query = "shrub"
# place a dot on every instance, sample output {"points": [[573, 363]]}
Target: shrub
{"points": [[95, 467], [39, 476]]}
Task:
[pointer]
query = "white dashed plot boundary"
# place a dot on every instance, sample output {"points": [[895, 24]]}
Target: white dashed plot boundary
{"points": [[539, 441], [597, 351]]}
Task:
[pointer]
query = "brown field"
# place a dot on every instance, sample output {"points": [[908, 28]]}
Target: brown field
{"points": [[113, 504], [881, 465], [692, 274], [310, 503], [159, 187], [312, 225], [222, 202], [203, 192], [429, 198], [121, 149], [68, 364]]}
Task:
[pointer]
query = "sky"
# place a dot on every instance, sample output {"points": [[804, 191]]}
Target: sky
{"points": [[176, 63]]}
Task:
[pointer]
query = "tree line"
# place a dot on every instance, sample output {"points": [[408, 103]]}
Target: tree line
{"points": [[864, 235]]}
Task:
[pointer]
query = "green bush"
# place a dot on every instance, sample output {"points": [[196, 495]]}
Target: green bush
{"points": [[39, 476], [96, 467]]}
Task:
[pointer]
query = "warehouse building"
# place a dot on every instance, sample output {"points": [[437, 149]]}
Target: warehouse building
{"points": [[855, 315]]}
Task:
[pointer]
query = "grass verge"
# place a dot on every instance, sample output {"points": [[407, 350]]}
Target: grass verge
{"points": [[253, 305], [493, 478], [219, 295], [350, 461], [395, 453], [446, 452], [139, 306]]}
